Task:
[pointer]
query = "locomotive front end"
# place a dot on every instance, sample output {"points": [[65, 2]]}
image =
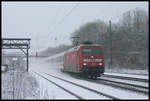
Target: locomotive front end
{"points": [[92, 62]]}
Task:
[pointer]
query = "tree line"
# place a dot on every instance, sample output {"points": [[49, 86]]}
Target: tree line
{"points": [[128, 37]]}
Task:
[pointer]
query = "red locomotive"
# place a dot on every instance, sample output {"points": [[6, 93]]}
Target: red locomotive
{"points": [[85, 59]]}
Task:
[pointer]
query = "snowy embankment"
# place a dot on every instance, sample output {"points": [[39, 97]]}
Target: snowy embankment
{"points": [[19, 84], [52, 90]]}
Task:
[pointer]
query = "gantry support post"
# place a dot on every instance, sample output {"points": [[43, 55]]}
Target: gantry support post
{"points": [[27, 60], [17, 43]]}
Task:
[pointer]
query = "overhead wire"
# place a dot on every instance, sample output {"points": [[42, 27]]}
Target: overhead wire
{"points": [[54, 17], [77, 4]]}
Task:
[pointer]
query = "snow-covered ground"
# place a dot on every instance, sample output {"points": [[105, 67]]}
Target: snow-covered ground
{"points": [[40, 66], [3, 68], [53, 91], [18, 84], [21, 85], [128, 75], [128, 71], [145, 84]]}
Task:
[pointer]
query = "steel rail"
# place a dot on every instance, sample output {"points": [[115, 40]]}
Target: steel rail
{"points": [[127, 78], [129, 73], [117, 85], [127, 86], [124, 83], [98, 92], [77, 96]]}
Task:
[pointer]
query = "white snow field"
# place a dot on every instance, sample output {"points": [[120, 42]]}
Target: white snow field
{"points": [[18, 84], [41, 66], [128, 71]]}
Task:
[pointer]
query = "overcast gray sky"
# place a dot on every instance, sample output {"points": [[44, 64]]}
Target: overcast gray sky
{"points": [[49, 24]]}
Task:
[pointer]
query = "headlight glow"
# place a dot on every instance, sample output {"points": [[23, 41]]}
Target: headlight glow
{"points": [[100, 64], [84, 64]]}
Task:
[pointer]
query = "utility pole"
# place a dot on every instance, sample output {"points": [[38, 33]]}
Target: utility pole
{"points": [[110, 65]]}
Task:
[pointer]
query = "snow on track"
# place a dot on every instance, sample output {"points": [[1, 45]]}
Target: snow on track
{"points": [[105, 89], [82, 92], [41, 66], [128, 75], [144, 84], [53, 90]]}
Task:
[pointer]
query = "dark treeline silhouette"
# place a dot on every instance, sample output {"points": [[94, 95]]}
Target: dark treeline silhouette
{"points": [[129, 39]]}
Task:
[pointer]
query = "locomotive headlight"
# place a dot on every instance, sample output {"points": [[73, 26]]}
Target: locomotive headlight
{"points": [[86, 60], [98, 60], [100, 64], [84, 64]]}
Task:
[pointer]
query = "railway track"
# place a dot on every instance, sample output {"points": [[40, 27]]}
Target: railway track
{"points": [[140, 86], [77, 85], [129, 73], [127, 78], [122, 85], [77, 96]]}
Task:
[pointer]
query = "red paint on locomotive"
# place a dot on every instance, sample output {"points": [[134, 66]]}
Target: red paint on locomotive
{"points": [[88, 59]]}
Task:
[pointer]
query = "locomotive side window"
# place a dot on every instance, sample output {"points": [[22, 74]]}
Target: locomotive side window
{"points": [[94, 52]]}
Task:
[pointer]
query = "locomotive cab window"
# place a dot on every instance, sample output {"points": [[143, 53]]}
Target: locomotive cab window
{"points": [[94, 52]]}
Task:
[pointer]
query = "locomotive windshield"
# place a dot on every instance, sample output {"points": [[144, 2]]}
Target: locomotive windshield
{"points": [[89, 52]]}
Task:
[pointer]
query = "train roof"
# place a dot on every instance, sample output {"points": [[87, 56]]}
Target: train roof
{"points": [[77, 47], [70, 50]]}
